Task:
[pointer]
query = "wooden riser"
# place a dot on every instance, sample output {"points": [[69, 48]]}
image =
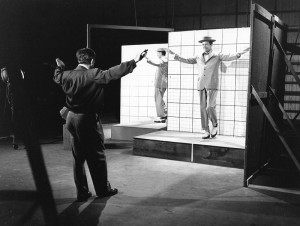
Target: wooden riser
{"points": [[188, 147]]}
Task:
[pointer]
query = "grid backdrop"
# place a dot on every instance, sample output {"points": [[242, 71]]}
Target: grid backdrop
{"points": [[137, 88], [183, 98]]}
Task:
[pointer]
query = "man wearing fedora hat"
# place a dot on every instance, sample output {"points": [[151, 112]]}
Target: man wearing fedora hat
{"points": [[208, 81], [160, 83]]}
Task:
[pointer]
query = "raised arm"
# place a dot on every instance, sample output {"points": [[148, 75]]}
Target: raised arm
{"points": [[232, 56], [181, 59], [59, 71], [116, 72], [158, 63], [113, 73]]}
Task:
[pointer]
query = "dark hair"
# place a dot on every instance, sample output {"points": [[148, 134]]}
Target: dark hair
{"points": [[85, 55], [163, 52]]}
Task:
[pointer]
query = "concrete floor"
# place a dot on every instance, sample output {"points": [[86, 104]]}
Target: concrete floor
{"points": [[151, 192]]}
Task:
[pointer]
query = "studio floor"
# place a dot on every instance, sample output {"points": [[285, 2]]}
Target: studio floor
{"points": [[151, 192]]}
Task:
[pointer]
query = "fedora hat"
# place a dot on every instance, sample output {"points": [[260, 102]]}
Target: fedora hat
{"points": [[207, 39]]}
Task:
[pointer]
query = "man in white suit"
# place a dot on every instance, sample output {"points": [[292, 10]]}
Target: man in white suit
{"points": [[160, 83], [208, 81]]}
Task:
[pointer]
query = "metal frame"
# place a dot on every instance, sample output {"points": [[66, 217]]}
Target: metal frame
{"points": [[275, 126], [90, 26], [258, 154], [269, 93]]}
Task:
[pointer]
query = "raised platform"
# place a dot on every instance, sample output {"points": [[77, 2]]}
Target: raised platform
{"points": [[190, 147], [129, 131]]}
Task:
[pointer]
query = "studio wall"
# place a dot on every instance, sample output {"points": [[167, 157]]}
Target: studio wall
{"points": [[183, 100]]}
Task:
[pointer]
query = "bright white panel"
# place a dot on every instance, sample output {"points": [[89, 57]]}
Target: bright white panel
{"points": [[187, 38], [243, 35], [230, 36], [232, 94], [186, 110], [137, 88], [186, 124], [187, 81]]}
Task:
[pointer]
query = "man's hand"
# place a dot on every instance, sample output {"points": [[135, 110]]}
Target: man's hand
{"points": [[59, 63], [140, 56], [169, 51], [245, 50]]}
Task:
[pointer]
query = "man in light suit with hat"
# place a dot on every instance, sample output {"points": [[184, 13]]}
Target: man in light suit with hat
{"points": [[208, 81], [160, 83]]}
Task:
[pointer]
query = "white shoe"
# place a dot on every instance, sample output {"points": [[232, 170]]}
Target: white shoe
{"points": [[214, 131], [206, 135]]}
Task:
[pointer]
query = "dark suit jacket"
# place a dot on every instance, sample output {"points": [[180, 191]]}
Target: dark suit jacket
{"points": [[83, 86]]}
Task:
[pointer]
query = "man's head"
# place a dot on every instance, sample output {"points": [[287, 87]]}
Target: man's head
{"points": [[86, 56], [207, 46], [161, 52], [207, 43]]}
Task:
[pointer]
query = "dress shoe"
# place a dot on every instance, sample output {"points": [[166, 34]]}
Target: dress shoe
{"points": [[109, 192], [214, 131], [206, 135], [83, 197]]}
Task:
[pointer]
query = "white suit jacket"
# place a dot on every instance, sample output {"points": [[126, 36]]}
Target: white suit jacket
{"points": [[208, 70], [161, 74]]}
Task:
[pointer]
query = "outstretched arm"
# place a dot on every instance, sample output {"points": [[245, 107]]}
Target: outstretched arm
{"points": [[181, 59], [113, 73], [116, 72], [233, 56], [158, 63]]}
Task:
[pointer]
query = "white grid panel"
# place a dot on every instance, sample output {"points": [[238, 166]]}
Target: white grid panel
{"points": [[137, 88], [184, 102]]}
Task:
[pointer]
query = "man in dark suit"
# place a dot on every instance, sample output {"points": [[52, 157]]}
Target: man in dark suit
{"points": [[83, 87]]}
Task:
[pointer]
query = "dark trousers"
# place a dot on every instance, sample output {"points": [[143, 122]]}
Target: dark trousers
{"points": [[87, 145]]}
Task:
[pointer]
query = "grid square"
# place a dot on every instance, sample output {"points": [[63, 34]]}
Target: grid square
{"points": [[175, 38], [187, 69], [174, 81], [227, 113], [174, 96], [196, 111], [242, 83], [187, 82], [173, 123], [243, 35], [173, 110], [173, 68], [239, 129], [240, 113], [227, 97], [227, 82], [226, 127], [241, 98], [186, 96], [230, 36], [187, 37], [186, 110], [186, 124], [197, 125]]}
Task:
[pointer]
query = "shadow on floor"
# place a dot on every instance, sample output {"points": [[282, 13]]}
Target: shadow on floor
{"points": [[74, 215]]}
